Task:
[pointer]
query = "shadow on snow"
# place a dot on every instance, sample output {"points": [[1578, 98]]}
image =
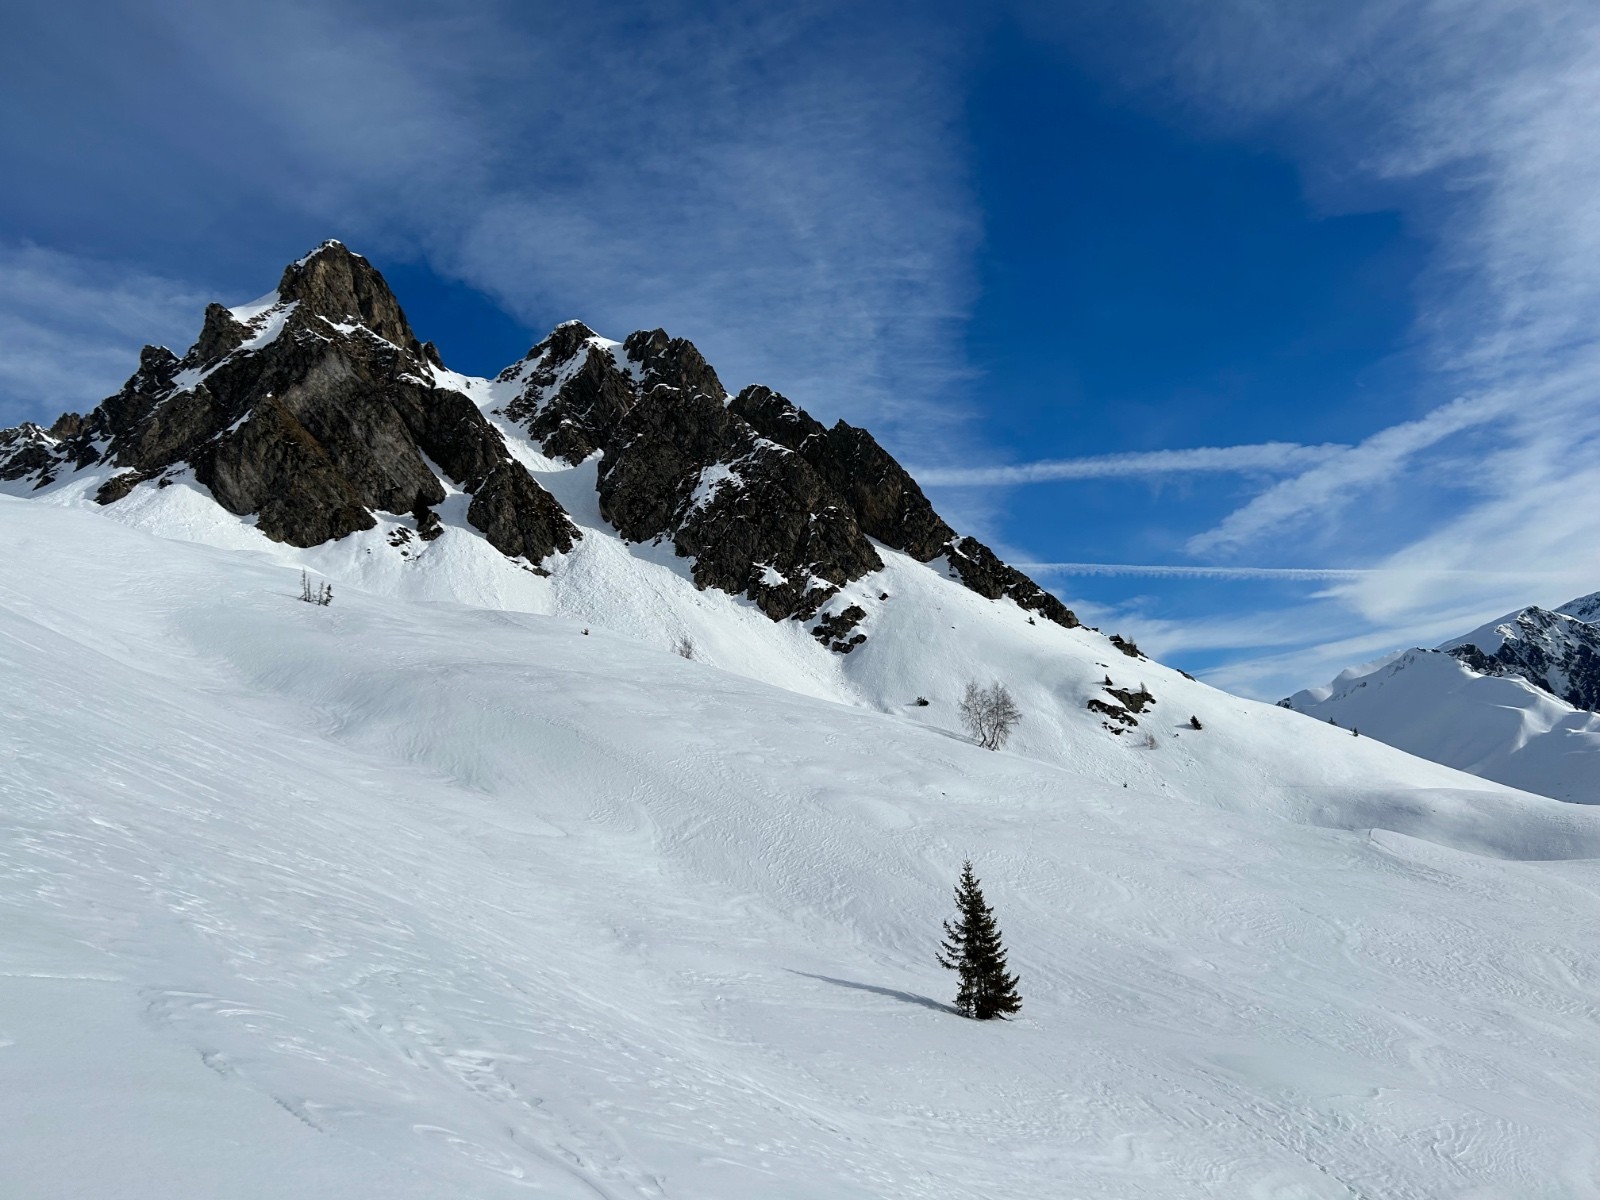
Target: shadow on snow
{"points": [[892, 993]]}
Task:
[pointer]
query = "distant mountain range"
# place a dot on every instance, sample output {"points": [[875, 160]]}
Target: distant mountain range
{"points": [[1516, 700]]}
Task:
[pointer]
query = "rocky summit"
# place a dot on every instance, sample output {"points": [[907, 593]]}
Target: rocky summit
{"points": [[316, 408], [1554, 651]]}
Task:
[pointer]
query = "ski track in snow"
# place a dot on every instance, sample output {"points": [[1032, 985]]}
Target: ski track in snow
{"points": [[400, 899]]}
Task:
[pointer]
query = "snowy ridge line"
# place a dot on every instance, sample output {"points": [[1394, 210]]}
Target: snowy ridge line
{"points": [[1515, 701], [351, 422]]}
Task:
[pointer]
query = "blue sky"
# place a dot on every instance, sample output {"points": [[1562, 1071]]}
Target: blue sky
{"points": [[1267, 332]]}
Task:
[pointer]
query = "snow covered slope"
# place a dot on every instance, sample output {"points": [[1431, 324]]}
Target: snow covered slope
{"points": [[1512, 701], [404, 899]]}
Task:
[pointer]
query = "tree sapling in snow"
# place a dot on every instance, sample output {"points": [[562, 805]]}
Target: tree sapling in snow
{"points": [[972, 949], [321, 595]]}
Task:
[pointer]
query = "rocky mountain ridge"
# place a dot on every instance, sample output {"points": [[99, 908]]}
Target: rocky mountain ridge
{"points": [[1554, 651], [1516, 700], [316, 410]]}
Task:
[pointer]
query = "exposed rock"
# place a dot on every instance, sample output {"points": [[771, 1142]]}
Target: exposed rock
{"points": [[118, 486], [1125, 645], [345, 288], [273, 467], [27, 450], [1115, 711], [311, 430], [668, 362], [428, 525], [220, 335], [980, 569], [573, 394], [519, 518], [1551, 650], [1134, 702], [834, 629], [886, 501], [756, 518], [319, 409]]}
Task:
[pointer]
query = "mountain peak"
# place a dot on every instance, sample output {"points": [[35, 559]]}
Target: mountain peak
{"points": [[315, 411], [336, 283], [1584, 608]]}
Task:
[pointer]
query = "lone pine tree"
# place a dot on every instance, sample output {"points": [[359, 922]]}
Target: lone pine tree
{"points": [[972, 949]]}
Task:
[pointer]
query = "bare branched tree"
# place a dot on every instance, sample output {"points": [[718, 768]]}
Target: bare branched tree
{"points": [[990, 714], [684, 648]]}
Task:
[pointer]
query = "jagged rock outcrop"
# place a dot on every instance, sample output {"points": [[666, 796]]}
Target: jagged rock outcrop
{"points": [[27, 450], [754, 516], [572, 394], [980, 569], [344, 287], [317, 409], [886, 501], [1551, 650], [1584, 608], [311, 412]]}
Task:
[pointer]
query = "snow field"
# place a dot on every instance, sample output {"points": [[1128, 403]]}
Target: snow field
{"points": [[1500, 727], [398, 899]]}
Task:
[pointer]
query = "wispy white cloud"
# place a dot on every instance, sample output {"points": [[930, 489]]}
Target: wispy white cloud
{"points": [[1345, 475], [783, 184], [1473, 118], [1287, 574], [1268, 458], [71, 328]]}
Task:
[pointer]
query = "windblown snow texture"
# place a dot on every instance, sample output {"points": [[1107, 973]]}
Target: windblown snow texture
{"points": [[395, 900]]}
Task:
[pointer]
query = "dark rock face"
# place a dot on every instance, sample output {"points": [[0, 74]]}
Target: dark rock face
{"points": [[274, 467], [26, 450], [1125, 645], [1115, 711], [345, 288], [836, 630], [316, 411], [310, 416], [672, 363], [573, 393], [1551, 650], [756, 518], [980, 569], [518, 517], [1584, 608], [886, 501]]}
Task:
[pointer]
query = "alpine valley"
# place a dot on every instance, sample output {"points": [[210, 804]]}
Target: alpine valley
{"points": [[595, 839]]}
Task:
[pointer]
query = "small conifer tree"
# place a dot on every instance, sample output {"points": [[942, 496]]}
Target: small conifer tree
{"points": [[972, 949]]}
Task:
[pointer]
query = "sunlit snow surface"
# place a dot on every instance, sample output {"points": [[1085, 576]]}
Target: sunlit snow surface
{"points": [[400, 899], [1498, 726]]}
